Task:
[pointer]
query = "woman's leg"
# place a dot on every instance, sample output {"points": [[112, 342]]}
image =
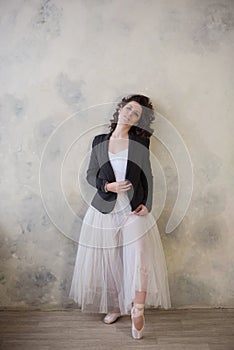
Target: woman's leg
{"points": [[113, 278], [136, 269], [141, 280], [139, 299]]}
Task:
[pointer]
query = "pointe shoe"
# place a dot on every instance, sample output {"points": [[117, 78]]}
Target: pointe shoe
{"points": [[135, 312], [111, 317]]}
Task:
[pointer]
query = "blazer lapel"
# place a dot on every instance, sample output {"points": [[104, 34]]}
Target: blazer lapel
{"points": [[130, 155]]}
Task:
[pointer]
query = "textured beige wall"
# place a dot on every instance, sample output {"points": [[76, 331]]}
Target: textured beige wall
{"points": [[59, 57]]}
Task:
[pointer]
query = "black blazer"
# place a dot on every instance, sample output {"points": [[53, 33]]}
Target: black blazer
{"points": [[138, 172]]}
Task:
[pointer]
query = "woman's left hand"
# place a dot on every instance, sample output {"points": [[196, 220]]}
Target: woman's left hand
{"points": [[141, 210]]}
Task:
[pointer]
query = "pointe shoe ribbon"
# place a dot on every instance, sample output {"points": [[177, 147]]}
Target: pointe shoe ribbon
{"points": [[111, 317], [135, 312]]}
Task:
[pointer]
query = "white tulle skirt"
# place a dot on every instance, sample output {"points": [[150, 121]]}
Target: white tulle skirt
{"points": [[118, 254]]}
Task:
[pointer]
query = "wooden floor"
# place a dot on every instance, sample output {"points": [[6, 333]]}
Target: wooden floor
{"points": [[196, 329]]}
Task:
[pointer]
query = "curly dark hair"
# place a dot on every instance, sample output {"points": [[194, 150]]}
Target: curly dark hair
{"points": [[143, 127]]}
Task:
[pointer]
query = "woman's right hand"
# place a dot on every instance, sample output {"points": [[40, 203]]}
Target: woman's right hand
{"points": [[119, 187]]}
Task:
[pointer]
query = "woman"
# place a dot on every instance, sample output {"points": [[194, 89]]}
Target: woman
{"points": [[120, 265]]}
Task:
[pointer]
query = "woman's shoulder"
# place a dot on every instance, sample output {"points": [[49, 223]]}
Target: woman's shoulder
{"points": [[143, 140], [100, 138]]}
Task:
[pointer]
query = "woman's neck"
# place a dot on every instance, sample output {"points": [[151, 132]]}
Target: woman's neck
{"points": [[121, 132]]}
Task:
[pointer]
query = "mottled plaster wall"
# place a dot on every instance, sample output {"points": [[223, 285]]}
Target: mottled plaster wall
{"points": [[58, 57]]}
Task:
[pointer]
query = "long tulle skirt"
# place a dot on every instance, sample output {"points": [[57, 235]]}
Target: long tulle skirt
{"points": [[119, 254]]}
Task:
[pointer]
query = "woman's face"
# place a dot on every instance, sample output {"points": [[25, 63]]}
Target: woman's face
{"points": [[130, 114]]}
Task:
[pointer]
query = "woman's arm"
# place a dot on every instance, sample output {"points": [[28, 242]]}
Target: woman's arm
{"points": [[93, 169]]}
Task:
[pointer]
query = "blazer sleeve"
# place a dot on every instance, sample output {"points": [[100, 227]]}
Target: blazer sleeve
{"points": [[93, 168], [147, 178]]}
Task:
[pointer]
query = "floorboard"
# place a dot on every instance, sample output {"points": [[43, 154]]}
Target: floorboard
{"points": [[190, 329]]}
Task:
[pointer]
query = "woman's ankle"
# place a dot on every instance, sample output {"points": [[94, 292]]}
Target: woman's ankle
{"points": [[138, 306], [138, 315], [116, 310]]}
